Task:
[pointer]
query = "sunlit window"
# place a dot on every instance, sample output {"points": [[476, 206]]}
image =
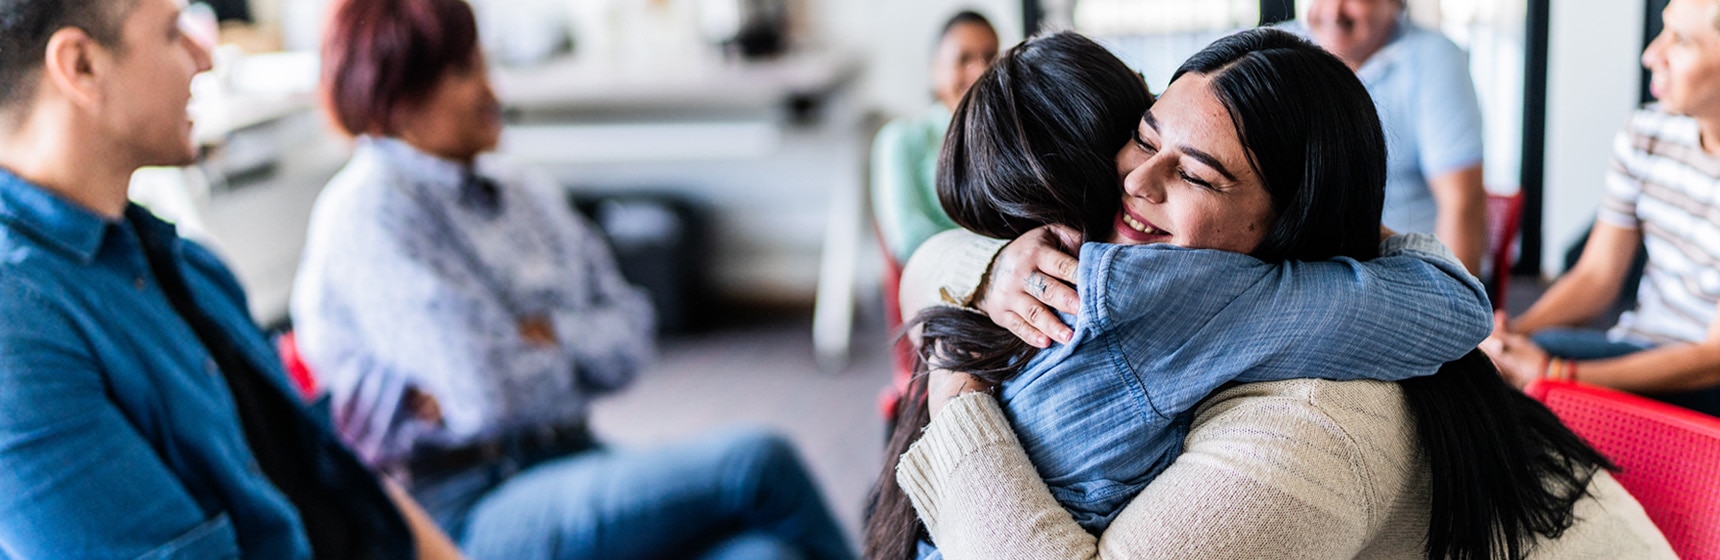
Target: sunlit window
{"points": [[1137, 17], [1155, 36]]}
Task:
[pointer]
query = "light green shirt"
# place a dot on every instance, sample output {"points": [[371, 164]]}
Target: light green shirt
{"points": [[904, 181]]}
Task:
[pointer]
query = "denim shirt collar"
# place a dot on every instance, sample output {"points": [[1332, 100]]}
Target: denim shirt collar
{"points": [[58, 223]]}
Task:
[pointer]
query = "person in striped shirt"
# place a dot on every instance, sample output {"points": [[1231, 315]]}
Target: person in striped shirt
{"points": [[1662, 192]]}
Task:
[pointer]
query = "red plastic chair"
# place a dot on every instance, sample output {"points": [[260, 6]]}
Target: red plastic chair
{"points": [[1668, 457], [301, 375], [1504, 218], [901, 352]]}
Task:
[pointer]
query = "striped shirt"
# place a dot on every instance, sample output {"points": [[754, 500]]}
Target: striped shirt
{"points": [[1663, 184]]}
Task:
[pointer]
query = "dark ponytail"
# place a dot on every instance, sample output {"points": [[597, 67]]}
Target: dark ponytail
{"points": [[1032, 143], [1503, 468]]}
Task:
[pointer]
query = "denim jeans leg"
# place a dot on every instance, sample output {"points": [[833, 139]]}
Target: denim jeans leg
{"points": [[449, 499], [1583, 344], [672, 501], [751, 546]]}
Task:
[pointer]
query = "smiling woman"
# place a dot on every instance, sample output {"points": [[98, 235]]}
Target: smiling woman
{"points": [[1175, 192]]}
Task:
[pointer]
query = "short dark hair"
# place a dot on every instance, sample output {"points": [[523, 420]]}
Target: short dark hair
{"points": [[381, 56], [1035, 140], [965, 16], [26, 26], [1311, 133]]}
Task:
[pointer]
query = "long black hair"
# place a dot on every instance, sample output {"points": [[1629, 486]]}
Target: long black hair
{"points": [[1033, 142], [1503, 470]]}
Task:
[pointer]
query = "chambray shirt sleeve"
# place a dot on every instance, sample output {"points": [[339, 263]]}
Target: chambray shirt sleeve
{"points": [[903, 205], [609, 332], [1208, 317], [78, 480], [1448, 113]]}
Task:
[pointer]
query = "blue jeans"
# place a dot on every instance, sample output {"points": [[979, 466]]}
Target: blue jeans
{"points": [[739, 494], [1586, 344]]}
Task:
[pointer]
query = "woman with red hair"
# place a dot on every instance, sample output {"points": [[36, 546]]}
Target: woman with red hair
{"points": [[463, 318]]}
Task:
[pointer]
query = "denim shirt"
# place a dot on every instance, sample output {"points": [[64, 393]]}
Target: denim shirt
{"points": [[1161, 327], [118, 435]]}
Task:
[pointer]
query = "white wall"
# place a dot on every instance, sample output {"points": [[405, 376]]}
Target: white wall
{"points": [[896, 37], [1593, 79]]}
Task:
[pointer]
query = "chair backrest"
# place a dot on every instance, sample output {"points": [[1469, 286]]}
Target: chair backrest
{"points": [[1504, 218], [297, 370], [901, 352], [1668, 457]]}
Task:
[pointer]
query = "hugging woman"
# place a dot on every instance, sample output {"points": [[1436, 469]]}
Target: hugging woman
{"points": [[1253, 188]]}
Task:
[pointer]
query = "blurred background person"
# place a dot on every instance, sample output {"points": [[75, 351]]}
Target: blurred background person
{"points": [[1658, 195], [1426, 98], [904, 169], [905, 152], [464, 317]]}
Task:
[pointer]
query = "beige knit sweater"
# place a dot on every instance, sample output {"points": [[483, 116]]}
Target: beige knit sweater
{"points": [[1289, 469]]}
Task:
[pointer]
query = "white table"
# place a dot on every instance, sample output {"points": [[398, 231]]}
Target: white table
{"points": [[696, 122]]}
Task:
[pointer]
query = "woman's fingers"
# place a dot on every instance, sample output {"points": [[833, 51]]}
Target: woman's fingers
{"points": [[1022, 329], [1068, 244], [1029, 279], [1057, 294]]}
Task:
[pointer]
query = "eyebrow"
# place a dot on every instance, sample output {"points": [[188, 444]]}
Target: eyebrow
{"points": [[1198, 155]]}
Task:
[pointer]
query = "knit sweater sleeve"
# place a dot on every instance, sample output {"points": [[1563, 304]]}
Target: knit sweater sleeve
{"points": [[947, 270], [1269, 471]]}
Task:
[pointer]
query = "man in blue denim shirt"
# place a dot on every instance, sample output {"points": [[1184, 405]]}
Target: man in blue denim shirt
{"points": [[130, 372]]}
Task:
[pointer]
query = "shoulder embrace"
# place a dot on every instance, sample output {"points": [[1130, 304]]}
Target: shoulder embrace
{"points": [[1341, 418], [1348, 447]]}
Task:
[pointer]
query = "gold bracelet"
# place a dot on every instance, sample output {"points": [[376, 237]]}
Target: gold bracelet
{"points": [[1555, 369]]}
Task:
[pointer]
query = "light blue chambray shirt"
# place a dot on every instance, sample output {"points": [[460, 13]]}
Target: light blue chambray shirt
{"points": [[403, 286], [1422, 88], [1161, 327]]}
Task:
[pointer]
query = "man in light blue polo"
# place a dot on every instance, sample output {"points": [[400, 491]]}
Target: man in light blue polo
{"points": [[1420, 82]]}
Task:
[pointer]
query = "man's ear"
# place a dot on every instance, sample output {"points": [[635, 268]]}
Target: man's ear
{"points": [[71, 66]]}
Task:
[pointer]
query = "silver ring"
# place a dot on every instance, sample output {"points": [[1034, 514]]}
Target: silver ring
{"points": [[1036, 285]]}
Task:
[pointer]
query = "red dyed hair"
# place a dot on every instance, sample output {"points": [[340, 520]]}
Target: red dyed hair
{"points": [[380, 57]]}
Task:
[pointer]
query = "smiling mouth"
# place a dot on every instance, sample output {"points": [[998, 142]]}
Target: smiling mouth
{"points": [[1136, 229], [1141, 227]]}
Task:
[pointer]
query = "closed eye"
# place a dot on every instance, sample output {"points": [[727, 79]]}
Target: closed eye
{"points": [[1196, 181], [1142, 143]]}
